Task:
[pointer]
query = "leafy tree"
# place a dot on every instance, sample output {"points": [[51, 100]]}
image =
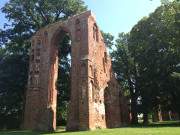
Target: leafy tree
{"points": [[146, 59], [165, 2], [26, 17], [175, 92], [126, 71], [154, 43], [108, 39]]}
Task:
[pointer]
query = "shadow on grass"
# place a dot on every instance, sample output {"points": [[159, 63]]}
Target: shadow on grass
{"points": [[19, 133], [62, 129], [158, 124]]}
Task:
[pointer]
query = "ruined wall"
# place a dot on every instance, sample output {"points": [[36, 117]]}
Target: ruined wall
{"points": [[100, 73], [95, 93]]}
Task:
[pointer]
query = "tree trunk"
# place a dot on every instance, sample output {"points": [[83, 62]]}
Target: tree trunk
{"points": [[134, 118], [160, 113], [178, 116], [145, 118]]}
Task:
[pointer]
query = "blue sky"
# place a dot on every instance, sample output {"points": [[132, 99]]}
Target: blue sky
{"points": [[114, 16]]}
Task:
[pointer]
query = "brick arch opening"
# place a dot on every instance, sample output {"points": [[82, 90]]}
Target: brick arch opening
{"points": [[61, 43]]}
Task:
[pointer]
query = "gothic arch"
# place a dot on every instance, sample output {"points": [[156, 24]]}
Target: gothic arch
{"points": [[87, 52]]}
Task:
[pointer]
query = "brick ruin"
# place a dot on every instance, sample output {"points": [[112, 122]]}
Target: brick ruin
{"points": [[96, 99]]}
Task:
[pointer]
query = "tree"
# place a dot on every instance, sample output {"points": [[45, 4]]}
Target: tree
{"points": [[108, 39], [26, 17], [154, 43], [175, 92], [126, 71], [165, 2], [145, 62]]}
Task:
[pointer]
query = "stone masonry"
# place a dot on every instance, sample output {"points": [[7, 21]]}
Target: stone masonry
{"points": [[96, 98]]}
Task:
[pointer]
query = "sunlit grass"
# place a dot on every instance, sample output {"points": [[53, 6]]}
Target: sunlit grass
{"points": [[164, 128]]}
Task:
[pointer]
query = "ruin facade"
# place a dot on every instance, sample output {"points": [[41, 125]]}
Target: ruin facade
{"points": [[96, 99]]}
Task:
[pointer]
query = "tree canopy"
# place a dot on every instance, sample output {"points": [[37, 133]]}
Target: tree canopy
{"points": [[147, 59]]}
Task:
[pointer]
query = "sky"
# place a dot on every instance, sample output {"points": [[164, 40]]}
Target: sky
{"points": [[113, 16]]}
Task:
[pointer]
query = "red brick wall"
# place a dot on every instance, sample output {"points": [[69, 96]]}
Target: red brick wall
{"points": [[91, 78]]}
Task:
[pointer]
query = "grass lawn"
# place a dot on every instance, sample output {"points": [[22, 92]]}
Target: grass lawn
{"points": [[154, 129]]}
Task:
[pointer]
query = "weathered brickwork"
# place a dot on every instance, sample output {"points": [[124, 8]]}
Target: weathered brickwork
{"points": [[96, 99]]}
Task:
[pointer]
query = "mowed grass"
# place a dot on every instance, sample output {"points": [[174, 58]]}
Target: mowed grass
{"points": [[155, 129], [118, 131]]}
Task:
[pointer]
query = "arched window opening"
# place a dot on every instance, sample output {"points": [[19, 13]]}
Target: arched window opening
{"points": [[32, 54], [38, 43], [32, 51], [95, 33], [105, 56], [91, 90], [38, 50], [104, 65], [78, 30], [91, 71]]}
